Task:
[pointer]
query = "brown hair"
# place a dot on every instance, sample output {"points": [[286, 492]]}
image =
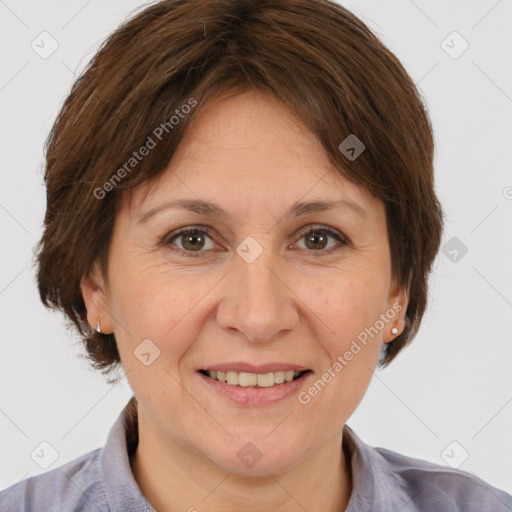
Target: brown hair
{"points": [[316, 57]]}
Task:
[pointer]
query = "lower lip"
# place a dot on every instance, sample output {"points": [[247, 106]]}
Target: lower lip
{"points": [[254, 397]]}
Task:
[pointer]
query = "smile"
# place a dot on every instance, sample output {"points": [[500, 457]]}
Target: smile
{"points": [[249, 380]]}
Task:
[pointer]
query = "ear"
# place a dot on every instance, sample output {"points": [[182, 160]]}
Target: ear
{"points": [[96, 301], [398, 300]]}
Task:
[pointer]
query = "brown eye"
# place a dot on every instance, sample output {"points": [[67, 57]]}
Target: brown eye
{"points": [[317, 239], [191, 240]]}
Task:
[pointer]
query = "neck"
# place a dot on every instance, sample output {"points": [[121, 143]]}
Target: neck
{"points": [[176, 479]]}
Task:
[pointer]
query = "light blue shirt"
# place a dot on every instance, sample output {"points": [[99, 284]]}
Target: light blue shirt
{"points": [[383, 481]]}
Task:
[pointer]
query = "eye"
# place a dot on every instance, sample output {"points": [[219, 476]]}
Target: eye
{"points": [[317, 239], [191, 240]]}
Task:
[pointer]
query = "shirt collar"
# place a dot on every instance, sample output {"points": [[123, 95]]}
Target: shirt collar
{"points": [[374, 483], [121, 489], [373, 480]]}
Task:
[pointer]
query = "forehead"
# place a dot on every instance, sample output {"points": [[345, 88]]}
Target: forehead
{"points": [[248, 148]]}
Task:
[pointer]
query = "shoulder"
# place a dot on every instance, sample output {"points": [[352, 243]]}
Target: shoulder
{"points": [[435, 487], [398, 482], [75, 486]]}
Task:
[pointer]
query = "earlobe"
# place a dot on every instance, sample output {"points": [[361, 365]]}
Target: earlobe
{"points": [[397, 306], [396, 325], [96, 302]]}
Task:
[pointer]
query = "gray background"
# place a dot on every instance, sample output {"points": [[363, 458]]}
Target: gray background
{"points": [[454, 383]]}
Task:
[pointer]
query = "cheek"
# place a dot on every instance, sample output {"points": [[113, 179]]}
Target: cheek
{"points": [[351, 348], [151, 303], [348, 304], [351, 307]]}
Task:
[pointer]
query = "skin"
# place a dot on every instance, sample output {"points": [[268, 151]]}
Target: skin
{"points": [[301, 301]]}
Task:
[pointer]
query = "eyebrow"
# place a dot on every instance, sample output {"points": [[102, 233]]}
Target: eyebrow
{"points": [[213, 209]]}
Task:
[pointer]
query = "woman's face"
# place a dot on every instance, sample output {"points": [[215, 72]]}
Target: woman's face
{"points": [[262, 282]]}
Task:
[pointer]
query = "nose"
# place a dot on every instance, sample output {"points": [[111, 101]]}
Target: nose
{"points": [[257, 301]]}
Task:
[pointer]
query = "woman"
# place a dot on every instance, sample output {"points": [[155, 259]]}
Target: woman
{"points": [[241, 215]]}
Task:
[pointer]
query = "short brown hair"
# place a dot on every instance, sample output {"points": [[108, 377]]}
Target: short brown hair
{"points": [[315, 56]]}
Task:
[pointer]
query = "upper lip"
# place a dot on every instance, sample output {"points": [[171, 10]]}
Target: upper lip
{"points": [[238, 366]]}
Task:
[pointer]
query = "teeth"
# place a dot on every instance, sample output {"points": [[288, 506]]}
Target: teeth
{"points": [[246, 379], [232, 378], [262, 380]]}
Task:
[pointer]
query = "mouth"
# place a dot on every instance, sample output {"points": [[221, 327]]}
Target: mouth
{"points": [[255, 380]]}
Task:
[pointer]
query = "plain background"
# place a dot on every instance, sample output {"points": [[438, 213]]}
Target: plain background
{"points": [[453, 383]]}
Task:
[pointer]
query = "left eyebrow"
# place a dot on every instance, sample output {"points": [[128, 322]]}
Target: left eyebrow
{"points": [[318, 206], [213, 209]]}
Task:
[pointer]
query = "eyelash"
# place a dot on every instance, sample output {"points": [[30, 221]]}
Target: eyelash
{"points": [[343, 241]]}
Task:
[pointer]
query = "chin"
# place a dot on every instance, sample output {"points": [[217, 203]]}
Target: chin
{"points": [[262, 468], [258, 457]]}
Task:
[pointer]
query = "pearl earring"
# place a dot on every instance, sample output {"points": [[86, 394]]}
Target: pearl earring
{"points": [[98, 329], [394, 330]]}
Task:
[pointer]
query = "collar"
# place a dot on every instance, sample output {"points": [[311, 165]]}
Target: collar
{"points": [[375, 484], [121, 489]]}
